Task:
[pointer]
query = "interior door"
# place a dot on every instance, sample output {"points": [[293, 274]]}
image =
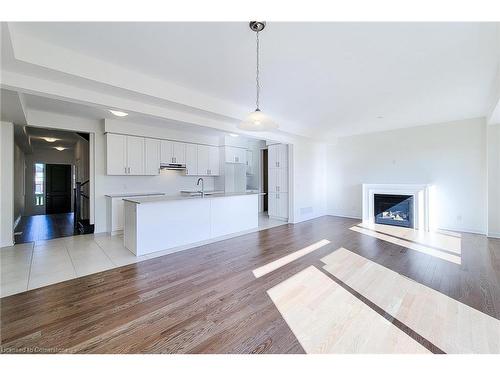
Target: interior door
{"points": [[57, 188]]}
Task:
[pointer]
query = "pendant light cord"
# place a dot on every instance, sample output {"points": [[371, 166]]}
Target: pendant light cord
{"points": [[257, 73]]}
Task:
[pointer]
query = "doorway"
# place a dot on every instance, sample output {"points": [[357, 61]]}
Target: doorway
{"points": [[265, 188], [51, 175]]}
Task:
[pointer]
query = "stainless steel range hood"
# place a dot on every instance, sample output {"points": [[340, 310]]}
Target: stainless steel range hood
{"points": [[174, 166]]}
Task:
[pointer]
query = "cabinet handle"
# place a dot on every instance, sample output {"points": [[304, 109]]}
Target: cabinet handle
{"points": [[125, 170], [128, 170], [277, 188]]}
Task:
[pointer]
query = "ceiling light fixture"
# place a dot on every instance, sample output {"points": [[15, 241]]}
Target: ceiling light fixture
{"points": [[118, 113], [59, 148], [257, 120], [50, 139], [233, 135]]}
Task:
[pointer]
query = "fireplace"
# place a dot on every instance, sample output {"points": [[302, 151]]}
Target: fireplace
{"points": [[393, 209]]}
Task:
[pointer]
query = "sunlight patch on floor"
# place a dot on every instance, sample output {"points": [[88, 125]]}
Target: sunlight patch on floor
{"points": [[278, 263], [450, 325], [444, 240], [450, 254], [326, 318]]}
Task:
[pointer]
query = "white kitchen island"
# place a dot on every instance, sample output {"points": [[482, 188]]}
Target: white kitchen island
{"points": [[161, 223]]}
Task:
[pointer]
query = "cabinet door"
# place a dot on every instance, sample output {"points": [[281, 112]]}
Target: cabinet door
{"points": [[167, 152], [191, 160], [229, 154], [116, 154], [151, 156], [272, 204], [272, 156], [135, 155], [282, 180], [179, 152], [213, 160], [240, 156], [283, 205], [203, 160], [282, 156], [272, 181]]}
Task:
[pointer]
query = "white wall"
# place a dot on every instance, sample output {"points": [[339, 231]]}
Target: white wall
{"points": [[6, 184], [493, 155], [308, 180], [450, 156], [19, 182]]}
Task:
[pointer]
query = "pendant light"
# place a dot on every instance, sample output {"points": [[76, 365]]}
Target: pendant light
{"points": [[257, 120]]}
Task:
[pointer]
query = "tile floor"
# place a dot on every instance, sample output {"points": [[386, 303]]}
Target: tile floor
{"points": [[33, 265]]}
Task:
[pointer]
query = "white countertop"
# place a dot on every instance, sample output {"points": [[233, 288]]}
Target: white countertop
{"points": [[182, 197], [122, 195]]}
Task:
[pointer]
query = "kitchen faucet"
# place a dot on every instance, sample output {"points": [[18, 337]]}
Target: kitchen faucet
{"points": [[202, 186]]}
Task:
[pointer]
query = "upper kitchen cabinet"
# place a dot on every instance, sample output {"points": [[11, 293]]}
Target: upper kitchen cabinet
{"points": [[116, 154], [125, 154], [173, 152], [208, 160], [278, 156], [235, 155], [191, 159], [214, 160], [151, 156]]}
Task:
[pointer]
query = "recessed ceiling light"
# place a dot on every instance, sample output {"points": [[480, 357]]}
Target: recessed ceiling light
{"points": [[118, 113], [233, 135], [50, 139], [59, 148]]}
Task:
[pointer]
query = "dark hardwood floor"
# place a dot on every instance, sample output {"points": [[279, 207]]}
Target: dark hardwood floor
{"points": [[206, 299], [44, 227]]}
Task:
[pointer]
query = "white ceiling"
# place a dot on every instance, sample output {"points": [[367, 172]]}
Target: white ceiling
{"points": [[331, 78]]}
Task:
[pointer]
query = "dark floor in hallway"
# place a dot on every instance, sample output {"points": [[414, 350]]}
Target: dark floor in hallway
{"points": [[44, 227]]}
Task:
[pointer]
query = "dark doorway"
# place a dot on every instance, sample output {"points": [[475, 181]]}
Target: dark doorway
{"points": [[58, 188], [264, 179]]}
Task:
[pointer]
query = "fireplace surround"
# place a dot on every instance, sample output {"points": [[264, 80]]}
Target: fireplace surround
{"points": [[423, 201]]}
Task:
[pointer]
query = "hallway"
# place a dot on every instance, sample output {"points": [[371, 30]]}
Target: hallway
{"points": [[43, 227]]}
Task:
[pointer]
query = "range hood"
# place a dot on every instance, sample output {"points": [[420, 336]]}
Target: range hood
{"points": [[175, 166]]}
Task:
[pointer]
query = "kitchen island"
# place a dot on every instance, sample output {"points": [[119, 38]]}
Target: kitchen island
{"points": [[171, 222]]}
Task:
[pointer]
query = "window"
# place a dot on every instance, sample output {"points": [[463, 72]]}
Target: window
{"points": [[39, 184]]}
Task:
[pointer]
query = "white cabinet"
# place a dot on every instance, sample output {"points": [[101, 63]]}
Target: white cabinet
{"points": [[151, 156], [235, 155], [124, 155], [135, 155], [191, 159], [208, 160], [249, 162], [277, 156], [278, 181], [213, 161], [116, 158], [173, 152], [203, 162]]}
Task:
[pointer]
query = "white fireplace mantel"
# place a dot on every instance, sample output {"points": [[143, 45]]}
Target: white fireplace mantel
{"points": [[421, 201]]}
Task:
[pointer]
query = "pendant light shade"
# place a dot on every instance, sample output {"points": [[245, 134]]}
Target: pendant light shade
{"points": [[257, 120]]}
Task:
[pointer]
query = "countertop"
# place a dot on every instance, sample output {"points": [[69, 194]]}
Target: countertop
{"points": [[121, 195], [183, 197]]}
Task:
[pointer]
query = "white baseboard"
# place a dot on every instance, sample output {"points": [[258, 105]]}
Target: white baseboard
{"points": [[494, 234], [463, 230], [344, 215]]}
